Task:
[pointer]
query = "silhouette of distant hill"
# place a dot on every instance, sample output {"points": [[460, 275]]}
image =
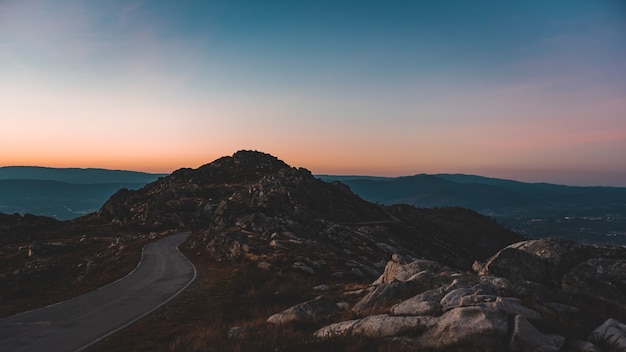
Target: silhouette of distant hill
{"points": [[587, 214], [76, 175], [63, 193], [595, 214]]}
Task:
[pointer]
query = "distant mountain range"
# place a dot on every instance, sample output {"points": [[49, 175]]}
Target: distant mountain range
{"points": [[592, 214], [587, 214], [496, 196], [63, 193]]}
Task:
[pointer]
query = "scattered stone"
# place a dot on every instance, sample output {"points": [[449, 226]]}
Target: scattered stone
{"points": [[400, 259], [354, 292], [343, 305], [311, 310], [611, 334], [274, 243], [321, 288], [240, 332], [264, 265], [453, 298], [301, 266]]}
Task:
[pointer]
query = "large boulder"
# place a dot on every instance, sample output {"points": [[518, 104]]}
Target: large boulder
{"points": [[426, 303], [559, 255], [467, 328], [514, 264], [545, 260], [377, 326], [603, 279], [311, 310], [397, 270], [386, 325], [526, 338], [611, 334]]}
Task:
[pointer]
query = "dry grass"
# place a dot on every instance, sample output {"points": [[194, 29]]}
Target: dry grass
{"points": [[58, 280], [226, 295]]}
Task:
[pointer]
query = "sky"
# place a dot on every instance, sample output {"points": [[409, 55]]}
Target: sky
{"points": [[527, 90]]}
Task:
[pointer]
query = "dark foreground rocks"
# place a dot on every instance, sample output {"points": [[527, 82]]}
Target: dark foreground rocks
{"points": [[540, 295]]}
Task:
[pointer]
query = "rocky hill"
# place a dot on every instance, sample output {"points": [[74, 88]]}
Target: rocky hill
{"points": [[255, 206], [268, 236]]}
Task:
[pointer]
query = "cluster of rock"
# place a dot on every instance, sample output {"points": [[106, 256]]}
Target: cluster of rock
{"points": [[535, 295], [252, 205], [232, 187], [37, 264]]}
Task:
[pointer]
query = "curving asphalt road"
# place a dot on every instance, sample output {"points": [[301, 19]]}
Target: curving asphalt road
{"points": [[78, 323]]}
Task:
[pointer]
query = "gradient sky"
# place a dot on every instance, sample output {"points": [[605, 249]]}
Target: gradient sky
{"points": [[528, 90]]}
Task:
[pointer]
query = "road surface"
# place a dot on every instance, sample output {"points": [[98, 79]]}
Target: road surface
{"points": [[77, 323]]}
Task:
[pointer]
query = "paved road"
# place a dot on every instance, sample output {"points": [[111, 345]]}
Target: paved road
{"points": [[77, 323]]}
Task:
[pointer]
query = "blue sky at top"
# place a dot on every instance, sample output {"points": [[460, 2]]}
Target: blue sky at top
{"points": [[534, 89]]}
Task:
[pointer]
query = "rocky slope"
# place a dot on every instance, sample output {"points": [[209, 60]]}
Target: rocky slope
{"points": [[540, 295], [255, 206], [45, 260], [456, 280]]}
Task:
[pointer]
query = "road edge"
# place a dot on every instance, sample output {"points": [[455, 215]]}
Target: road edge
{"points": [[195, 274]]}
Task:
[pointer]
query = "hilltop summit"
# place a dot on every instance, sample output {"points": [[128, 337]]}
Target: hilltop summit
{"points": [[257, 202], [260, 182]]}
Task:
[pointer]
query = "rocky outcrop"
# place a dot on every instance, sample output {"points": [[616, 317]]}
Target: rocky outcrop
{"points": [[397, 270], [594, 273], [545, 260], [376, 326], [475, 327], [252, 205], [602, 278], [514, 264], [460, 311], [308, 311]]}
